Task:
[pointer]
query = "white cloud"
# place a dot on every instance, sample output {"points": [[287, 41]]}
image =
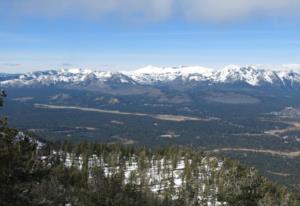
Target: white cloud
{"points": [[129, 10], [236, 10], [156, 10]]}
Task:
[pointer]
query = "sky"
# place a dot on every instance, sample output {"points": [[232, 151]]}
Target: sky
{"points": [[128, 34]]}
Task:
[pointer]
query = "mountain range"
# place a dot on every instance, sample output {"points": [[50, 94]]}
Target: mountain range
{"points": [[156, 76]]}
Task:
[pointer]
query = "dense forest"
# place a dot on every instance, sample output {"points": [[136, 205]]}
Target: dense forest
{"points": [[99, 174], [35, 172]]}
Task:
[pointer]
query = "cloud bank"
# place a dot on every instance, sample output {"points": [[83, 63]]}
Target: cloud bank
{"points": [[155, 10], [237, 10], [132, 10]]}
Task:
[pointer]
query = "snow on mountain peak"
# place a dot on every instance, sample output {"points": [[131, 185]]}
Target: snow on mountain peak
{"points": [[232, 67], [163, 70], [153, 74], [250, 75], [147, 70]]}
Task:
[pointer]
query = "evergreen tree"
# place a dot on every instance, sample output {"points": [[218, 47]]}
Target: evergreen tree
{"points": [[20, 166]]}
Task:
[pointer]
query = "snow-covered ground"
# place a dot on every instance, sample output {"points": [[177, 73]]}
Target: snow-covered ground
{"points": [[157, 174]]}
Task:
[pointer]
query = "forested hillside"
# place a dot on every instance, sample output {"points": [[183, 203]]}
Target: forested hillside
{"points": [[97, 174]]}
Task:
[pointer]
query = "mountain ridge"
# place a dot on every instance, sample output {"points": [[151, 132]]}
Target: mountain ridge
{"points": [[151, 75]]}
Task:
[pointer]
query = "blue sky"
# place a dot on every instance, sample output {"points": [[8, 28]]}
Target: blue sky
{"points": [[44, 34]]}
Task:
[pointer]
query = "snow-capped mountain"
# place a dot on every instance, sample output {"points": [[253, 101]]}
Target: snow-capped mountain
{"points": [[65, 76], [249, 75], [152, 75]]}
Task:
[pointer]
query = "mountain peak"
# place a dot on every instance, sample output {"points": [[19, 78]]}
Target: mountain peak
{"points": [[232, 67], [152, 75]]}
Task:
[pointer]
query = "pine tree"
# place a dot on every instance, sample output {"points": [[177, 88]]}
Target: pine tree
{"points": [[20, 166]]}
